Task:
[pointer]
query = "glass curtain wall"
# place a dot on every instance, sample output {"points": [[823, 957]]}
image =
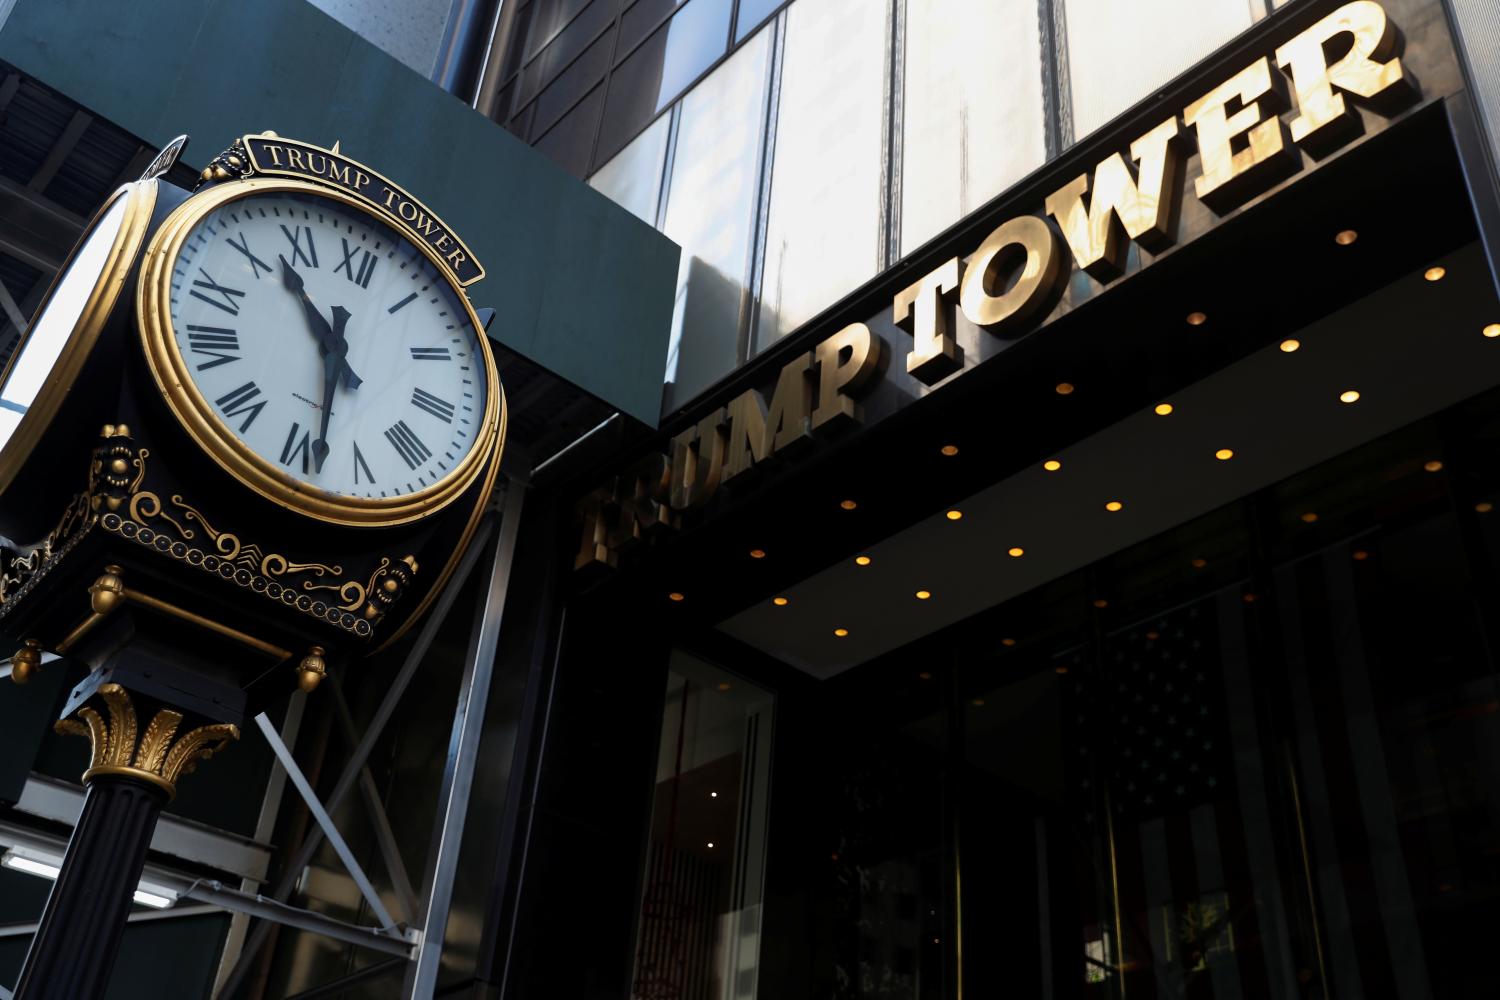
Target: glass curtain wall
{"points": [[823, 140]]}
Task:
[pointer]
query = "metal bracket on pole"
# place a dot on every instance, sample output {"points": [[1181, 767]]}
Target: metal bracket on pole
{"points": [[350, 775], [325, 821], [463, 750]]}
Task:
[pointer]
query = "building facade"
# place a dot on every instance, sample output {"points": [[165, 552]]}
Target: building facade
{"points": [[1060, 562]]}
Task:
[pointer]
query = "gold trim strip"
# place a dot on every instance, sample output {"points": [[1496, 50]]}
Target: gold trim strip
{"points": [[131, 772]]}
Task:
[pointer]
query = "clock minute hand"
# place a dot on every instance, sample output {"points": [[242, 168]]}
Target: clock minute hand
{"points": [[332, 366], [320, 328]]}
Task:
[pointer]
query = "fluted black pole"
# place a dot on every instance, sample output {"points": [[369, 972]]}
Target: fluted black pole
{"points": [[79, 934]]}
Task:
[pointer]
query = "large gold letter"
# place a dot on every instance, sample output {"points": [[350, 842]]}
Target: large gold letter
{"points": [[788, 425], [934, 353], [747, 434], [1024, 235], [846, 361], [1146, 210], [697, 462], [1231, 178], [1324, 120]]}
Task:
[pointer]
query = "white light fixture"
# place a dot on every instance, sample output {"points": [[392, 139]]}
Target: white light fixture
{"points": [[47, 866]]}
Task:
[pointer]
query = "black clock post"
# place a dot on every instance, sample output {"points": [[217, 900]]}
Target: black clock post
{"points": [[192, 569]]}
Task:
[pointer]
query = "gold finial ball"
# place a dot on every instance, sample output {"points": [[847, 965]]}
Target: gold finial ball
{"points": [[390, 585], [311, 670], [24, 662], [108, 591], [119, 467]]}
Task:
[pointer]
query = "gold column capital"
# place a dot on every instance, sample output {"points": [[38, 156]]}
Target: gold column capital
{"points": [[155, 759]]}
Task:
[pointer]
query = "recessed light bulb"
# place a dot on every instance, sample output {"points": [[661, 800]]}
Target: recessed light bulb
{"points": [[954, 515], [1289, 345], [1197, 318], [1224, 454], [1349, 396], [848, 504], [1017, 552], [757, 553], [923, 595], [1492, 331], [1114, 505], [1435, 273], [861, 560], [840, 632], [1052, 465], [949, 449], [1162, 409], [780, 602], [675, 596], [1433, 466], [1345, 237], [1064, 388]]}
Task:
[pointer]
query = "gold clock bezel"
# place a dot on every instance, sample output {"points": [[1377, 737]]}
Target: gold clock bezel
{"points": [[202, 422], [141, 202]]}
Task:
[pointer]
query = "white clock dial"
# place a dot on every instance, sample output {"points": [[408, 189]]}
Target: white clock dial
{"points": [[329, 344], [53, 327]]}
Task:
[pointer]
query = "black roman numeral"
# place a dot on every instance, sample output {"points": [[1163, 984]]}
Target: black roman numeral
{"points": [[440, 408], [360, 463], [214, 341], [294, 235], [241, 400], [225, 295], [293, 448], [430, 354], [366, 265], [256, 264], [408, 445]]}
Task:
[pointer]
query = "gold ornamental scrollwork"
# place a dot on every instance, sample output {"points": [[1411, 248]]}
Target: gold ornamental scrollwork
{"points": [[156, 759]]}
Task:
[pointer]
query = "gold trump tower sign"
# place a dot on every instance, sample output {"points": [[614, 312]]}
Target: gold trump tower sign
{"points": [[1248, 133]]}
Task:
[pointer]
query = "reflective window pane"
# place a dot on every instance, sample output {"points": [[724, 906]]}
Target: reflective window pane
{"points": [[699, 929], [633, 178], [576, 80], [566, 47], [569, 141], [823, 230], [752, 14], [668, 61], [973, 108], [641, 17], [548, 19], [1117, 52], [710, 210]]}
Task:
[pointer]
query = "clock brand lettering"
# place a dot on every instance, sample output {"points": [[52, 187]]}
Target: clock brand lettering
{"points": [[269, 154]]}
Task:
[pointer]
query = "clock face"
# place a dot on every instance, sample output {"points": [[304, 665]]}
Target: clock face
{"points": [[328, 344], [53, 327]]}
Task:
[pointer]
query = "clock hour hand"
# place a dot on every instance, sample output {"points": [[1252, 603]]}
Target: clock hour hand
{"points": [[328, 343]]}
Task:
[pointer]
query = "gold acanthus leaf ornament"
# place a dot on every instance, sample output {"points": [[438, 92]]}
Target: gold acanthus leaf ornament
{"points": [[156, 759]]}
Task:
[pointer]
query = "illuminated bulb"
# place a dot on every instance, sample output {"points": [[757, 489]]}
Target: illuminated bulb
{"points": [[1064, 388], [710, 844], [1114, 505], [1345, 237], [780, 602], [861, 560], [1435, 273], [1153, 636], [1197, 318], [1360, 555], [924, 675], [1349, 396], [725, 685], [1309, 517], [1224, 454], [978, 703], [713, 795], [674, 596], [1162, 409], [1249, 598], [1101, 603], [1017, 552], [1484, 507], [1052, 465], [1199, 563], [848, 504], [949, 449], [1492, 331], [923, 595], [954, 515], [1007, 642], [840, 632], [1289, 345], [1433, 466], [757, 553], [1062, 669]]}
